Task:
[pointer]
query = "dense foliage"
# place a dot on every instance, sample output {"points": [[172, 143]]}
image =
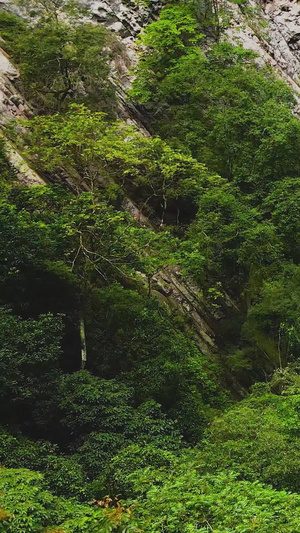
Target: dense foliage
{"points": [[59, 62], [112, 417]]}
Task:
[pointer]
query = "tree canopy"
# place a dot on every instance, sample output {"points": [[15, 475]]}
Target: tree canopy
{"points": [[114, 418]]}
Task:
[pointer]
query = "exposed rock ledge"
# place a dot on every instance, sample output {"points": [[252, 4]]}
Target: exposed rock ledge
{"points": [[272, 29], [13, 105], [127, 17]]}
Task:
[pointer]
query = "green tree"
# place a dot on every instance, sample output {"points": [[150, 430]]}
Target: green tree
{"points": [[282, 206], [166, 41], [182, 499], [64, 474], [259, 437], [61, 62], [164, 182], [231, 115], [276, 314], [136, 339], [30, 349], [27, 505]]}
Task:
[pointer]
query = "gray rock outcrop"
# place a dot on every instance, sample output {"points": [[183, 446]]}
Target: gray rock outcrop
{"points": [[272, 30], [127, 17]]}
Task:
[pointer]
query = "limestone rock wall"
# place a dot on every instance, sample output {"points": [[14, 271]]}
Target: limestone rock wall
{"points": [[127, 17], [13, 105], [284, 30], [272, 29]]}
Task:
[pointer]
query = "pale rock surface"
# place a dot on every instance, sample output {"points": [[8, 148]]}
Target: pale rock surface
{"points": [[13, 105], [25, 173], [284, 24], [272, 31], [127, 17]]}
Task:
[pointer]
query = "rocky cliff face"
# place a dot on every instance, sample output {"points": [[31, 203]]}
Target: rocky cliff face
{"points": [[283, 17], [12, 104], [272, 30], [127, 17]]}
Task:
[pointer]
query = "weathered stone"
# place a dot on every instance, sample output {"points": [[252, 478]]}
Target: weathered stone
{"points": [[12, 103], [127, 17], [274, 33]]}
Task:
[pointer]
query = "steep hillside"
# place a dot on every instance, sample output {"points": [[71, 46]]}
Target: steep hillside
{"points": [[149, 267]]}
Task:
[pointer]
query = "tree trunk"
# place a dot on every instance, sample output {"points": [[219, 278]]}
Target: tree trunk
{"points": [[83, 342]]}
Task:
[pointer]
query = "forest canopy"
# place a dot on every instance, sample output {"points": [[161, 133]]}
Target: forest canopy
{"points": [[149, 308]]}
